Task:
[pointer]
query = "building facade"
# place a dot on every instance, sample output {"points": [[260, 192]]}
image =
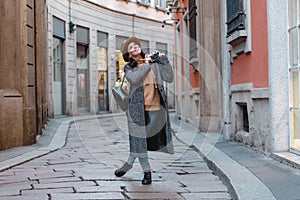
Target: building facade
{"points": [[264, 68], [247, 35], [198, 63], [283, 59], [246, 55], [23, 69], [62, 57], [84, 39]]}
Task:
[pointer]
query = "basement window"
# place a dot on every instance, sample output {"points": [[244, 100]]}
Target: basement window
{"points": [[245, 118]]}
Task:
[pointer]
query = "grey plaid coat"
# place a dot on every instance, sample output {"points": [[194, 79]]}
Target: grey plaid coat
{"points": [[135, 114]]}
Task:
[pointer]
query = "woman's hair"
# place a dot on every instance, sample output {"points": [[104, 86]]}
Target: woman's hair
{"points": [[133, 63]]}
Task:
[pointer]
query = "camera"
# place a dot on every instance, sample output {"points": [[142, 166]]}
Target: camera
{"points": [[154, 56]]}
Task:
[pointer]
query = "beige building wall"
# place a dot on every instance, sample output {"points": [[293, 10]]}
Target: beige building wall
{"points": [[210, 68], [201, 105], [22, 66], [117, 19]]}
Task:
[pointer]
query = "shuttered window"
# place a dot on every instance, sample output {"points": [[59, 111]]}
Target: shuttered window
{"points": [[102, 39], [162, 47], [82, 35], [193, 28], [235, 16], [58, 27]]}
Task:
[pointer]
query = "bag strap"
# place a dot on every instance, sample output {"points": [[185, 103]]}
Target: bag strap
{"points": [[123, 80]]}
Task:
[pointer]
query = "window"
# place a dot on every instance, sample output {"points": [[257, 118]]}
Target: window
{"points": [[294, 71], [82, 65], [161, 4], [120, 63], [239, 26], [102, 66], [145, 2], [192, 29], [162, 47], [145, 46], [82, 35], [245, 118], [235, 16], [59, 28]]}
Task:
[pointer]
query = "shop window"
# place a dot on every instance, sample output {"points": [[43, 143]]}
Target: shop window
{"points": [[102, 79], [102, 67], [81, 51], [120, 63], [82, 65], [82, 77]]}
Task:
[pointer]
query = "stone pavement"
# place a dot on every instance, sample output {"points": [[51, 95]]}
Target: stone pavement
{"points": [[248, 173], [83, 167]]}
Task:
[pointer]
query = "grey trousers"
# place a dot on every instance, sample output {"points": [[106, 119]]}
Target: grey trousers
{"points": [[144, 162]]}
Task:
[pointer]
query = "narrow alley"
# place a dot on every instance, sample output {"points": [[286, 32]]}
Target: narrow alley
{"points": [[84, 169]]}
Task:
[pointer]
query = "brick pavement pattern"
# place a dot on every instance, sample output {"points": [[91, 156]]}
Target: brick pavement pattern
{"points": [[84, 169]]}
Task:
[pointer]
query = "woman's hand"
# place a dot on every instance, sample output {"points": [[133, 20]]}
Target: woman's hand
{"points": [[147, 58], [154, 56]]}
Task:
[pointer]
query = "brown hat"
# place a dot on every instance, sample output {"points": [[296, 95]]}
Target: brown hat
{"points": [[124, 46]]}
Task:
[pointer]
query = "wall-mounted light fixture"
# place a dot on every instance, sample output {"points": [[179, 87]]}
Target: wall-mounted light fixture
{"points": [[176, 10], [71, 24], [169, 21], [71, 27]]}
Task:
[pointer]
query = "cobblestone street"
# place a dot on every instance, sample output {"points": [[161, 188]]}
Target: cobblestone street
{"points": [[84, 169]]}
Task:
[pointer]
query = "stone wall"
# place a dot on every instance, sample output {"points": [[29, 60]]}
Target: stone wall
{"points": [[11, 119], [22, 77], [250, 116], [211, 110]]}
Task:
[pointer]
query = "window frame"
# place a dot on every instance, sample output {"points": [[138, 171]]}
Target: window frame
{"points": [[294, 67]]}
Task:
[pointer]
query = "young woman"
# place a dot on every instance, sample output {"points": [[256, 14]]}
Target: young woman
{"points": [[148, 118]]}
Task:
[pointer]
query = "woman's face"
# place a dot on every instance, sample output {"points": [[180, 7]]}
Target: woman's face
{"points": [[134, 49]]}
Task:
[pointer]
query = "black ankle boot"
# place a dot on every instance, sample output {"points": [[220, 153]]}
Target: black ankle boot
{"points": [[147, 178], [122, 171]]}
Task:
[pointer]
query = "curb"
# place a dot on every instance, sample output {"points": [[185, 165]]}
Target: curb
{"points": [[58, 141], [242, 184], [287, 158]]}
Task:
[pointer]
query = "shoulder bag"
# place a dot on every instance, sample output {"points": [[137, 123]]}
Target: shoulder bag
{"points": [[121, 97]]}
